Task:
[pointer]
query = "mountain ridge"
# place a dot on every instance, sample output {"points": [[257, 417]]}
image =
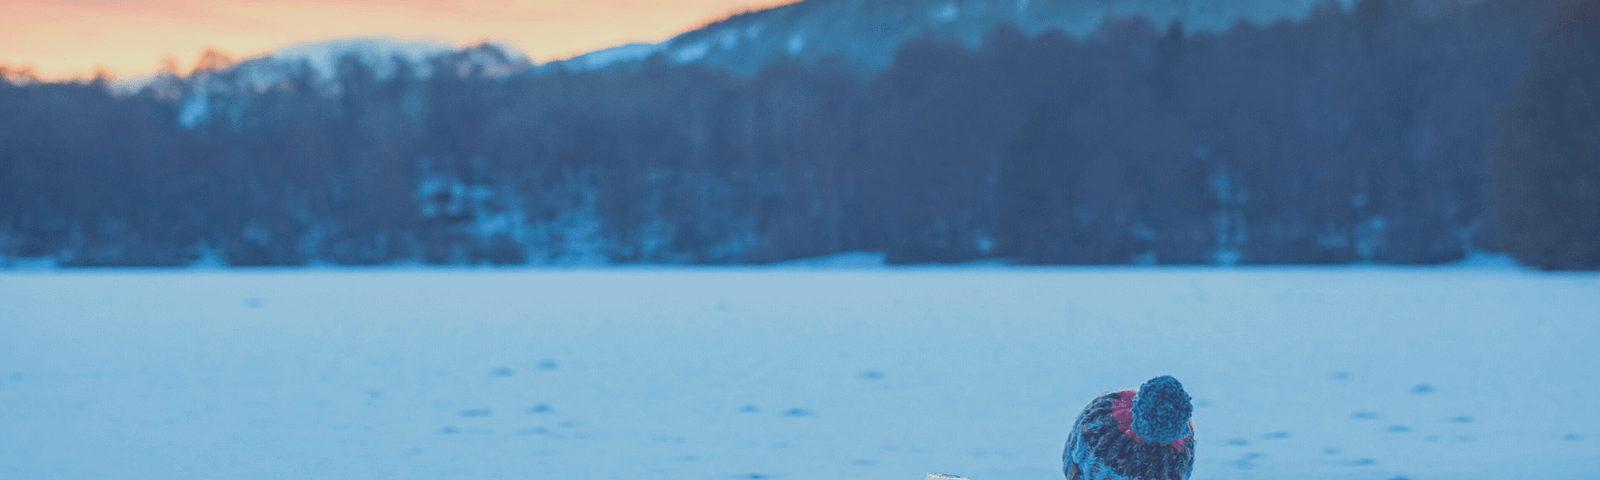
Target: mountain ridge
{"points": [[863, 32], [867, 32]]}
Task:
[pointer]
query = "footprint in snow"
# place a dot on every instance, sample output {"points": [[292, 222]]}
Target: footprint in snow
{"points": [[1422, 389], [749, 409], [1238, 442], [1340, 376], [1399, 429], [503, 372], [1364, 415], [1276, 435], [475, 412], [798, 412], [872, 375], [1461, 419], [548, 365], [1571, 437], [540, 408], [1361, 463], [1247, 461]]}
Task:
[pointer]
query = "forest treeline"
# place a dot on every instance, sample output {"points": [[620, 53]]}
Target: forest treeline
{"points": [[1351, 136]]}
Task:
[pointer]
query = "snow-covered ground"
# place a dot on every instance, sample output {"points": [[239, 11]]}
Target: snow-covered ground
{"points": [[800, 372]]}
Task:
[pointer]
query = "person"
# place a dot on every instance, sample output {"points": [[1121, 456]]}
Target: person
{"points": [[1133, 435]]}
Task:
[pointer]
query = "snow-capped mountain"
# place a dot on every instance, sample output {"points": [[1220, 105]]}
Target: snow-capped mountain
{"points": [[492, 58], [608, 56], [379, 53], [200, 92], [867, 32]]}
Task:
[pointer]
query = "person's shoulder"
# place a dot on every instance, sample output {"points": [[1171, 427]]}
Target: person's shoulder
{"points": [[1118, 396], [1103, 404]]}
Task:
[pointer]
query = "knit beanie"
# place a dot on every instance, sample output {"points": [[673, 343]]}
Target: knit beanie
{"points": [[1133, 435]]}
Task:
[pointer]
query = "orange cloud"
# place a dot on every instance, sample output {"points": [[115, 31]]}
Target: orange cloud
{"points": [[72, 38]]}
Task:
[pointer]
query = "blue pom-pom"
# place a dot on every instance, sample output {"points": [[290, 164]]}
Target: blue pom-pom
{"points": [[1161, 411]]}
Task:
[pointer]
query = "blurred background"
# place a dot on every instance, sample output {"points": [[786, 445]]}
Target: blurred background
{"points": [[933, 131], [830, 239]]}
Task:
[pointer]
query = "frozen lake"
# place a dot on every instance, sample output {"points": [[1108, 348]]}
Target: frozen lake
{"points": [[1308, 373]]}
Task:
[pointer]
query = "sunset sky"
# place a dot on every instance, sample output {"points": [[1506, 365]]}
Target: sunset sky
{"points": [[72, 38]]}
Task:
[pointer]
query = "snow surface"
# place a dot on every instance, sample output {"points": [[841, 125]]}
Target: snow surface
{"points": [[788, 373]]}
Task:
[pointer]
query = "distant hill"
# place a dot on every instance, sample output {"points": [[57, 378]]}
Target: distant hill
{"points": [[379, 54], [867, 32], [323, 57], [376, 51], [321, 60], [863, 32]]}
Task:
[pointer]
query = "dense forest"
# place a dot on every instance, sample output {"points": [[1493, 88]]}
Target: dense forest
{"points": [[1352, 136]]}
